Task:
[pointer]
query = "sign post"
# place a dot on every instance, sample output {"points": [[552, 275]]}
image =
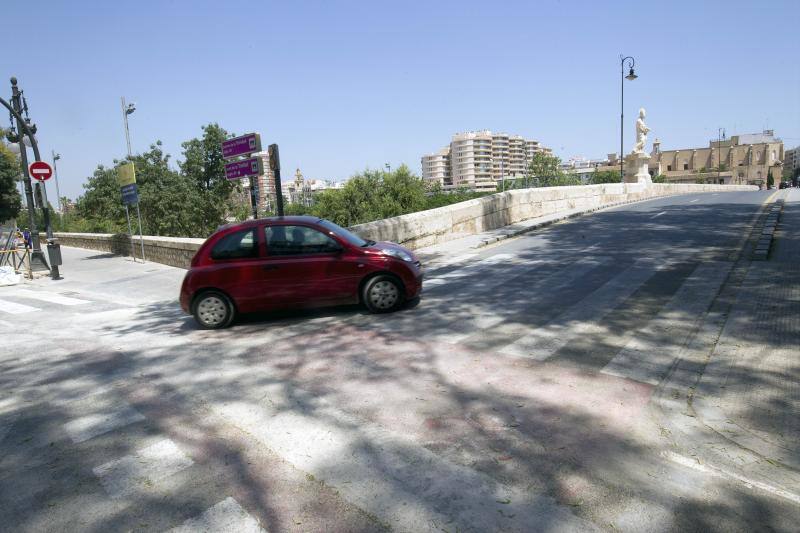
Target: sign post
{"points": [[250, 167], [126, 177], [275, 166]]}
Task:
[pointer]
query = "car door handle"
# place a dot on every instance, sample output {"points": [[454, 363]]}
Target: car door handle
{"points": [[270, 267]]}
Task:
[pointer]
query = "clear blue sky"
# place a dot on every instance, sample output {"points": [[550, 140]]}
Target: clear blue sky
{"points": [[342, 86]]}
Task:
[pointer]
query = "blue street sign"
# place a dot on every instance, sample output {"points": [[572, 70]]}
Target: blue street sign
{"points": [[130, 194]]}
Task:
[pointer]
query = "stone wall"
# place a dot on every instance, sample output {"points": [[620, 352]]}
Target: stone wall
{"points": [[425, 228], [175, 251]]}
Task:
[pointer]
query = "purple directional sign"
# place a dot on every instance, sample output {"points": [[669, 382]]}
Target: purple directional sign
{"points": [[245, 168], [244, 145]]}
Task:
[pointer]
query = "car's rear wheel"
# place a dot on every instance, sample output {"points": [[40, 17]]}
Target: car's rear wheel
{"points": [[383, 294], [213, 310]]}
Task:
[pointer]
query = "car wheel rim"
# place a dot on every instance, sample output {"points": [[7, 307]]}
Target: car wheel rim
{"points": [[212, 311], [384, 295]]}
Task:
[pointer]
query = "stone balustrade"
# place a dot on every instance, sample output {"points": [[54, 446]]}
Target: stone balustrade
{"points": [[425, 228]]}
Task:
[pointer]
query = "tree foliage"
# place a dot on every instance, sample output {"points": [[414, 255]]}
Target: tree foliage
{"points": [[544, 170], [606, 176], [9, 174], [376, 194], [204, 167]]}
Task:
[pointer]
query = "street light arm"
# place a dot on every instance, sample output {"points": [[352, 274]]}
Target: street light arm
{"points": [[25, 127], [631, 61]]}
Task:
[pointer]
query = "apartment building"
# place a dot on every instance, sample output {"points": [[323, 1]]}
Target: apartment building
{"points": [[791, 161], [478, 160]]}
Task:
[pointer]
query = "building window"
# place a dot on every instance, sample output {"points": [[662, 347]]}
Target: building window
{"points": [[685, 166], [669, 168]]}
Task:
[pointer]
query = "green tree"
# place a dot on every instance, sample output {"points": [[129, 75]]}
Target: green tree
{"points": [[544, 170], [770, 180], [169, 202], [204, 167], [605, 176], [9, 174], [659, 178], [372, 195]]}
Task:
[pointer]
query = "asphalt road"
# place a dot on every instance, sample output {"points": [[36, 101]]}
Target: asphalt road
{"points": [[516, 395]]}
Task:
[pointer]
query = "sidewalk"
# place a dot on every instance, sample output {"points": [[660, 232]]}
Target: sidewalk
{"points": [[751, 389]]}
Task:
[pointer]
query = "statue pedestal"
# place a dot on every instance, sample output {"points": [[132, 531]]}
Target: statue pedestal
{"points": [[636, 168]]}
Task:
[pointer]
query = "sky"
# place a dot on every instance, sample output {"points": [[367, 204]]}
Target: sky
{"points": [[342, 86]]}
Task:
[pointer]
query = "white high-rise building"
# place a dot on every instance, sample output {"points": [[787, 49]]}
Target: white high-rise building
{"points": [[478, 160]]}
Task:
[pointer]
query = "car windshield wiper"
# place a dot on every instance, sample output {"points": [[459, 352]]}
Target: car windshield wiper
{"points": [[367, 243]]}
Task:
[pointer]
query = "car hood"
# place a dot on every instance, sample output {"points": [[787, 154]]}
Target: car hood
{"points": [[386, 245]]}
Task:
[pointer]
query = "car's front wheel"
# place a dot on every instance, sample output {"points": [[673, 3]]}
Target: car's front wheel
{"points": [[213, 310], [383, 294]]}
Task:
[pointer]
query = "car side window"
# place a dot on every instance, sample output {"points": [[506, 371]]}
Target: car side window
{"points": [[298, 240], [237, 245]]}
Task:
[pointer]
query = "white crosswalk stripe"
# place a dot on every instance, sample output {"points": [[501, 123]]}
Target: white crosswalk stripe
{"points": [[649, 355], [14, 308], [554, 282], [584, 317], [50, 297], [142, 469], [107, 416], [469, 269], [227, 515]]}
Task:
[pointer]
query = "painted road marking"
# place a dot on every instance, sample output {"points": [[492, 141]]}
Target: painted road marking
{"points": [[227, 515], [649, 355], [15, 308], [50, 297], [114, 416], [455, 260], [142, 469], [695, 200], [469, 269], [583, 318], [694, 464], [659, 214]]}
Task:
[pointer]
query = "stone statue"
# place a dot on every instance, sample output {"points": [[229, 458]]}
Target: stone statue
{"points": [[641, 133]]}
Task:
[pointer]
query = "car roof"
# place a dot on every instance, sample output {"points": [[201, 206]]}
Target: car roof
{"points": [[285, 220]]}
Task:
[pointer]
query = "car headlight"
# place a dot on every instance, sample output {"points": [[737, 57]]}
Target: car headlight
{"points": [[399, 254]]}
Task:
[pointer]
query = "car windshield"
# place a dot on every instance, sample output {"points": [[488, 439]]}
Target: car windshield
{"points": [[347, 235]]}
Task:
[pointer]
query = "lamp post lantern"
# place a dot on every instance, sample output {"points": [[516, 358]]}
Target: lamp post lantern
{"points": [[630, 77]]}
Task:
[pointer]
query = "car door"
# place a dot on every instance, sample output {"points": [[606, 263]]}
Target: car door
{"points": [[312, 267], [236, 267]]}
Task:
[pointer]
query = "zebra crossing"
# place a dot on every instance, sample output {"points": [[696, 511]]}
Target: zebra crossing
{"points": [[502, 324], [20, 301], [150, 467]]}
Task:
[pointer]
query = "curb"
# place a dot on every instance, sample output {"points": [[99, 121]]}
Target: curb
{"points": [[766, 231]]}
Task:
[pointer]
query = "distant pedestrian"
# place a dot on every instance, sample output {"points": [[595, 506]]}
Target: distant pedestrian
{"points": [[27, 236]]}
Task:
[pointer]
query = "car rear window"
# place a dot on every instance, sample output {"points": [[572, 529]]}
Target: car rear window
{"points": [[236, 246]]}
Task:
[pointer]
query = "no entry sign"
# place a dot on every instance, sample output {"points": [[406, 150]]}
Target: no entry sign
{"points": [[40, 170]]}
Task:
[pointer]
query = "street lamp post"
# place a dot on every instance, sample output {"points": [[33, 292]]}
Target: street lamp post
{"points": [[622, 77], [720, 136], [56, 157], [127, 110], [388, 168]]}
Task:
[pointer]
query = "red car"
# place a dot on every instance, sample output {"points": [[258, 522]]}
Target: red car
{"points": [[299, 261]]}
